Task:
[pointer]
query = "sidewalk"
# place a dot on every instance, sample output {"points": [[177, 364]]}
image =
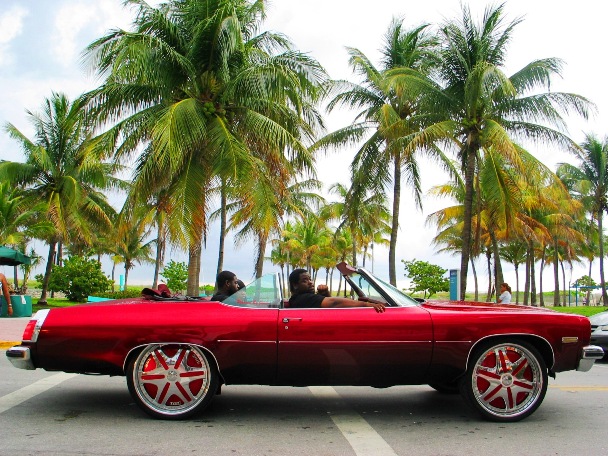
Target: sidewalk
{"points": [[11, 330]]}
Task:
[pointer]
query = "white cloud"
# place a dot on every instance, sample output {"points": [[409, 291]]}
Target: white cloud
{"points": [[76, 19], [11, 24]]}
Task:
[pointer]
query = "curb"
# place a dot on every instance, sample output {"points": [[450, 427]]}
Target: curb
{"points": [[6, 344]]}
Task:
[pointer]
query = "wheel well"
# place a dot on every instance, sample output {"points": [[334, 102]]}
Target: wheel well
{"points": [[541, 344], [136, 350]]}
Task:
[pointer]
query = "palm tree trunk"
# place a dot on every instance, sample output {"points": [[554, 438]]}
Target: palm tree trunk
{"points": [[194, 255], [489, 264], [600, 230], [527, 280], [497, 264], [59, 256], [563, 283], [223, 216], [540, 277], [532, 278], [516, 284], [126, 277], [392, 269], [354, 250], [475, 280], [259, 263], [112, 273], [468, 218], [47, 273], [556, 300], [160, 255], [15, 278]]}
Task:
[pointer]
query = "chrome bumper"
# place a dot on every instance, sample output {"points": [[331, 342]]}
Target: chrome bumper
{"points": [[20, 357], [588, 356]]}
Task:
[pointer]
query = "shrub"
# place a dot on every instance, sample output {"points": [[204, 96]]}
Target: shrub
{"points": [[131, 293], [78, 278], [176, 275], [426, 277], [208, 289]]}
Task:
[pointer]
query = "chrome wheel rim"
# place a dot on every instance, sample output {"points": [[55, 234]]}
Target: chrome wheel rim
{"points": [[507, 380], [171, 379]]}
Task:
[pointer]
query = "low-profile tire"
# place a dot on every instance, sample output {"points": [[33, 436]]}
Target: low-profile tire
{"points": [[172, 381], [505, 381]]}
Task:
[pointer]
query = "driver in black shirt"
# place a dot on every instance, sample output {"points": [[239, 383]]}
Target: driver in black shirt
{"points": [[303, 295]]}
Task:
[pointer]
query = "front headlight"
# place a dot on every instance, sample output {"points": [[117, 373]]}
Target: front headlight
{"points": [[603, 328]]}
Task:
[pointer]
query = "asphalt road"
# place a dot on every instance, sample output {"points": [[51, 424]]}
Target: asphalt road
{"points": [[45, 413]]}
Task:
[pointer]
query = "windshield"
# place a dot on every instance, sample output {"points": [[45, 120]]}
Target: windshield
{"points": [[400, 298], [264, 292]]}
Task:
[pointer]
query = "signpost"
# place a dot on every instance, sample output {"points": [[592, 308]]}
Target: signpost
{"points": [[454, 284]]}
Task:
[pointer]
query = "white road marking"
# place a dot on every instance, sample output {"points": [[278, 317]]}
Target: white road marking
{"points": [[364, 440], [27, 392]]}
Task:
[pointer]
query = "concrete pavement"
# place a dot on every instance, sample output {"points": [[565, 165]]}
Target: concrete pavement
{"points": [[11, 330]]}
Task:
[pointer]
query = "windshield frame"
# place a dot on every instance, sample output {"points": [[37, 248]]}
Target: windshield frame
{"points": [[390, 293]]}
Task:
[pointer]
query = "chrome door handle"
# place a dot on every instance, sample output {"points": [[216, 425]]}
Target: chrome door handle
{"points": [[287, 320]]}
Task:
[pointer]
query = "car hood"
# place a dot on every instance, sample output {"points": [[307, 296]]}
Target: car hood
{"points": [[471, 306], [599, 319]]}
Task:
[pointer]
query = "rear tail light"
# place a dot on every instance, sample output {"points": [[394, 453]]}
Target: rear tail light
{"points": [[31, 331]]}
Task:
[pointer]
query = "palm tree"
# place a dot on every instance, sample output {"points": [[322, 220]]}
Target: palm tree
{"points": [[591, 185], [157, 210], [19, 221], [262, 206], [133, 244], [386, 115], [306, 240], [202, 88], [364, 215], [514, 252], [481, 108], [62, 171]]}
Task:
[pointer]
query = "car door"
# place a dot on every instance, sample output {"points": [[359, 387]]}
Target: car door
{"points": [[354, 346], [247, 348]]}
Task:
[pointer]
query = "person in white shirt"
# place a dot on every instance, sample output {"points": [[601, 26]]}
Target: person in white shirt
{"points": [[505, 294]]}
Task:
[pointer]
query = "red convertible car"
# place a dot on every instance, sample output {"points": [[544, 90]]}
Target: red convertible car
{"points": [[177, 353]]}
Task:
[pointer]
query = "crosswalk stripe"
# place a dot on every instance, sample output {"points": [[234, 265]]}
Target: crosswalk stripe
{"points": [[363, 439], [27, 392]]}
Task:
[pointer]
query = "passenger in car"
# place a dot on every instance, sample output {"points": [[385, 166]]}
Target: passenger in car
{"points": [[303, 295], [226, 285], [241, 294]]}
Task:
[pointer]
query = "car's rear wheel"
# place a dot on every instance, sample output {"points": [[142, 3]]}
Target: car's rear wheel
{"points": [[172, 381], [505, 381]]}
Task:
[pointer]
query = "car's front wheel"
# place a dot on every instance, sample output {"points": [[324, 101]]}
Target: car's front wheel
{"points": [[505, 381], [172, 381]]}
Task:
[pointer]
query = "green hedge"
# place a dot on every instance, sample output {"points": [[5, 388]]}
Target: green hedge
{"points": [[129, 293]]}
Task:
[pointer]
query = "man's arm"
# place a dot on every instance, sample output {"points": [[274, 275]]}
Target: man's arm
{"points": [[346, 302]]}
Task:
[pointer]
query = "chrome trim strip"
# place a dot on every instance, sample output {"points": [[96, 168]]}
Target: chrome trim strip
{"points": [[355, 342], [219, 341]]}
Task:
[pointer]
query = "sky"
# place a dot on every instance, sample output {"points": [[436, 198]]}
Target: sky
{"points": [[40, 53]]}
